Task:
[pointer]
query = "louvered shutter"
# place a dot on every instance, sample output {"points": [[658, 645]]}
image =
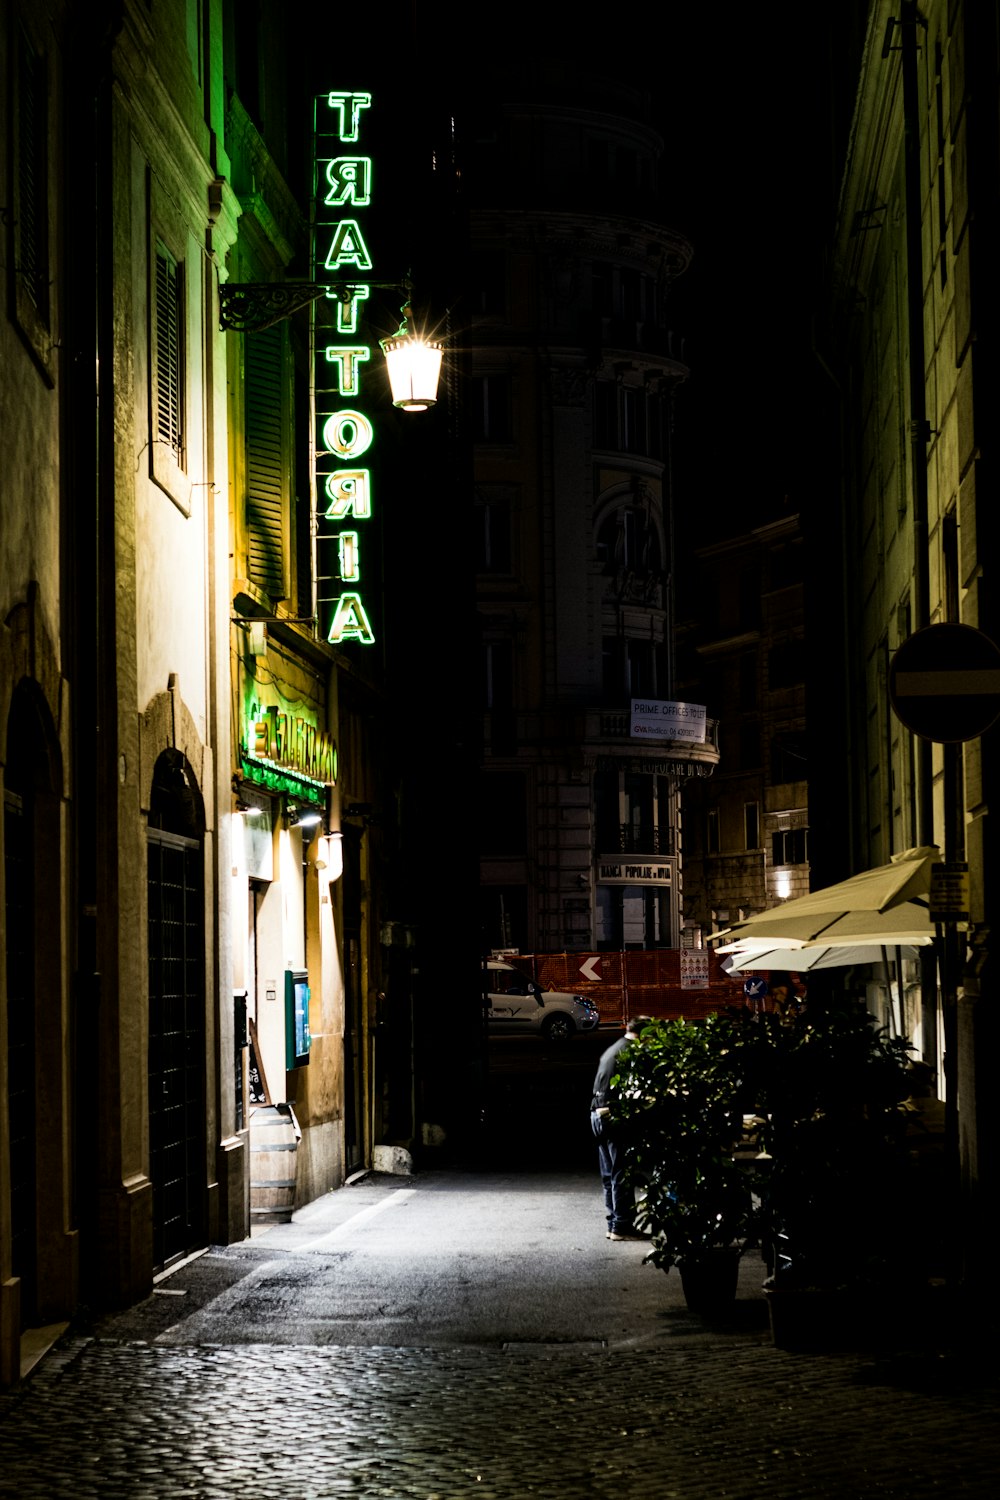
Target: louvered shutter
{"points": [[169, 365], [265, 465], [31, 223]]}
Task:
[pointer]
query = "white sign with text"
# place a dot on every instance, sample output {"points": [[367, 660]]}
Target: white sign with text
{"points": [[661, 719]]}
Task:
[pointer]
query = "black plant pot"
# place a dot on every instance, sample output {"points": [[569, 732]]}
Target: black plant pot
{"points": [[710, 1281], [825, 1319], [811, 1319]]}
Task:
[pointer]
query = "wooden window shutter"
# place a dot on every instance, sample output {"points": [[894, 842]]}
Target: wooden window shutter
{"points": [[169, 351], [32, 208], [267, 469]]}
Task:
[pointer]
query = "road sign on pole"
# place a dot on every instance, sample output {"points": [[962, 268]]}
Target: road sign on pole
{"points": [[944, 683], [755, 989]]}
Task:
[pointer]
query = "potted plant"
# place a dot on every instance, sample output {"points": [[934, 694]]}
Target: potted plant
{"points": [[678, 1105], [831, 1191], [829, 1086]]}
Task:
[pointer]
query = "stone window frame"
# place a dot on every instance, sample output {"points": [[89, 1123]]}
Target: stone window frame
{"points": [[30, 160]]}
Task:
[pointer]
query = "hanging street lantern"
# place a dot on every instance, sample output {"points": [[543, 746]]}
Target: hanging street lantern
{"points": [[414, 366]]}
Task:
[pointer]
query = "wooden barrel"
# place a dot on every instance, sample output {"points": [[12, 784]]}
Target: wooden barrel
{"points": [[274, 1139]]}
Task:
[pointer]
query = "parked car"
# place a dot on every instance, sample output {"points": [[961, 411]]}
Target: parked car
{"points": [[517, 1004]]}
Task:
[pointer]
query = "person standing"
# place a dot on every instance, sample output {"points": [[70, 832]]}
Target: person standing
{"points": [[619, 1197]]}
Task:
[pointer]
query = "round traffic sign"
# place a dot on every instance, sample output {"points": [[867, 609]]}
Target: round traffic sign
{"points": [[944, 683], [755, 989]]}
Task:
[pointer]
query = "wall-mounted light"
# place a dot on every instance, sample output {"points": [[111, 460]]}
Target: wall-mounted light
{"points": [[335, 855], [413, 362], [303, 817], [243, 801], [414, 365]]}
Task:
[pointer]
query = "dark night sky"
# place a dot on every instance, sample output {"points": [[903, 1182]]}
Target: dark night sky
{"points": [[743, 98], [753, 178], [743, 101]]}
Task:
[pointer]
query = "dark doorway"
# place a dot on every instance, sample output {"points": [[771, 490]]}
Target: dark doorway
{"points": [[354, 1093], [31, 781], [176, 940], [20, 920]]}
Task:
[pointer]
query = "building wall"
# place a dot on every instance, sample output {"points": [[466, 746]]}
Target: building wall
{"points": [[170, 154], [113, 620], [38, 1270], [744, 654], [572, 266], [919, 467]]}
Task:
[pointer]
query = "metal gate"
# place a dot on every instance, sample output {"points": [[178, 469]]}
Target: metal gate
{"points": [[176, 1045]]}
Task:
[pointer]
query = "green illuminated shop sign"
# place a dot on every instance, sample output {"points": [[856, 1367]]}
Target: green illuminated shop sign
{"points": [[284, 752], [343, 431]]}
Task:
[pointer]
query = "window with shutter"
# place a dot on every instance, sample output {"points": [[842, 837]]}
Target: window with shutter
{"points": [[31, 226], [168, 405], [169, 352], [27, 212], [266, 462]]}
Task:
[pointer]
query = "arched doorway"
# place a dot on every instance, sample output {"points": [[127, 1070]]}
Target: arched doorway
{"points": [[31, 917], [176, 942]]}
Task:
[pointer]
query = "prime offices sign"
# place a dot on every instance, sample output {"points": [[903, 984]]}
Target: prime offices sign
{"points": [[343, 431], [659, 719]]}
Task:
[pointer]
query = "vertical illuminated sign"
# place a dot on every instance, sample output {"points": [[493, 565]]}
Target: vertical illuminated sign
{"points": [[342, 430]]}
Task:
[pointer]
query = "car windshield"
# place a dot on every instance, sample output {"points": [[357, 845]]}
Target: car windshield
{"points": [[509, 982]]}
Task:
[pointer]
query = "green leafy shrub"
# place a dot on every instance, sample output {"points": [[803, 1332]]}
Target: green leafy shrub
{"points": [[678, 1105], [829, 1195], [837, 1199]]}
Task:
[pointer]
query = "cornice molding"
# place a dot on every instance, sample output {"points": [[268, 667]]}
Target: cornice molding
{"points": [[873, 155], [265, 197], [577, 236]]}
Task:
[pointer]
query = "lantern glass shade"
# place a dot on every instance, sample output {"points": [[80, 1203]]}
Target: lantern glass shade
{"points": [[414, 369]]}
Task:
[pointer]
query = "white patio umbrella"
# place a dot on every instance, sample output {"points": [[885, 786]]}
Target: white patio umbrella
{"points": [[854, 922], [808, 957], [879, 906], [812, 956], [908, 924]]}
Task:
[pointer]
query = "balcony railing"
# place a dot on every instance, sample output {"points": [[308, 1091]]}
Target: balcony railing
{"points": [[610, 729], [642, 838], [602, 733]]}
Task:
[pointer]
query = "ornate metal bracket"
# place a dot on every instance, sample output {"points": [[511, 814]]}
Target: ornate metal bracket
{"points": [[252, 306]]}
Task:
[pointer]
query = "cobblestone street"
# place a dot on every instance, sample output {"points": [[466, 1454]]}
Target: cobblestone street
{"points": [[108, 1419], [571, 1369]]}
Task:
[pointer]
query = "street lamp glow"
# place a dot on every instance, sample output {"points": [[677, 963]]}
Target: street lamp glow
{"points": [[414, 366]]}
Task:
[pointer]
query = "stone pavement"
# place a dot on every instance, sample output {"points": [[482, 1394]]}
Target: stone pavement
{"points": [[145, 1404]]}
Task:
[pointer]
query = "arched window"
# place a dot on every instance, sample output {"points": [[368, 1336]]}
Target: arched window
{"points": [[627, 539]]}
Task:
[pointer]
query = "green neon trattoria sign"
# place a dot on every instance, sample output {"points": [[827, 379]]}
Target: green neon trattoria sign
{"points": [[343, 431]]}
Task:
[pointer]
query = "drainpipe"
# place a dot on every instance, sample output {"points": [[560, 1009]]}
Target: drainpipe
{"points": [[919, 435], [919, 432]]}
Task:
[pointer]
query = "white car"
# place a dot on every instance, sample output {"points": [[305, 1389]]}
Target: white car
{"points": [[517, 1004]]}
